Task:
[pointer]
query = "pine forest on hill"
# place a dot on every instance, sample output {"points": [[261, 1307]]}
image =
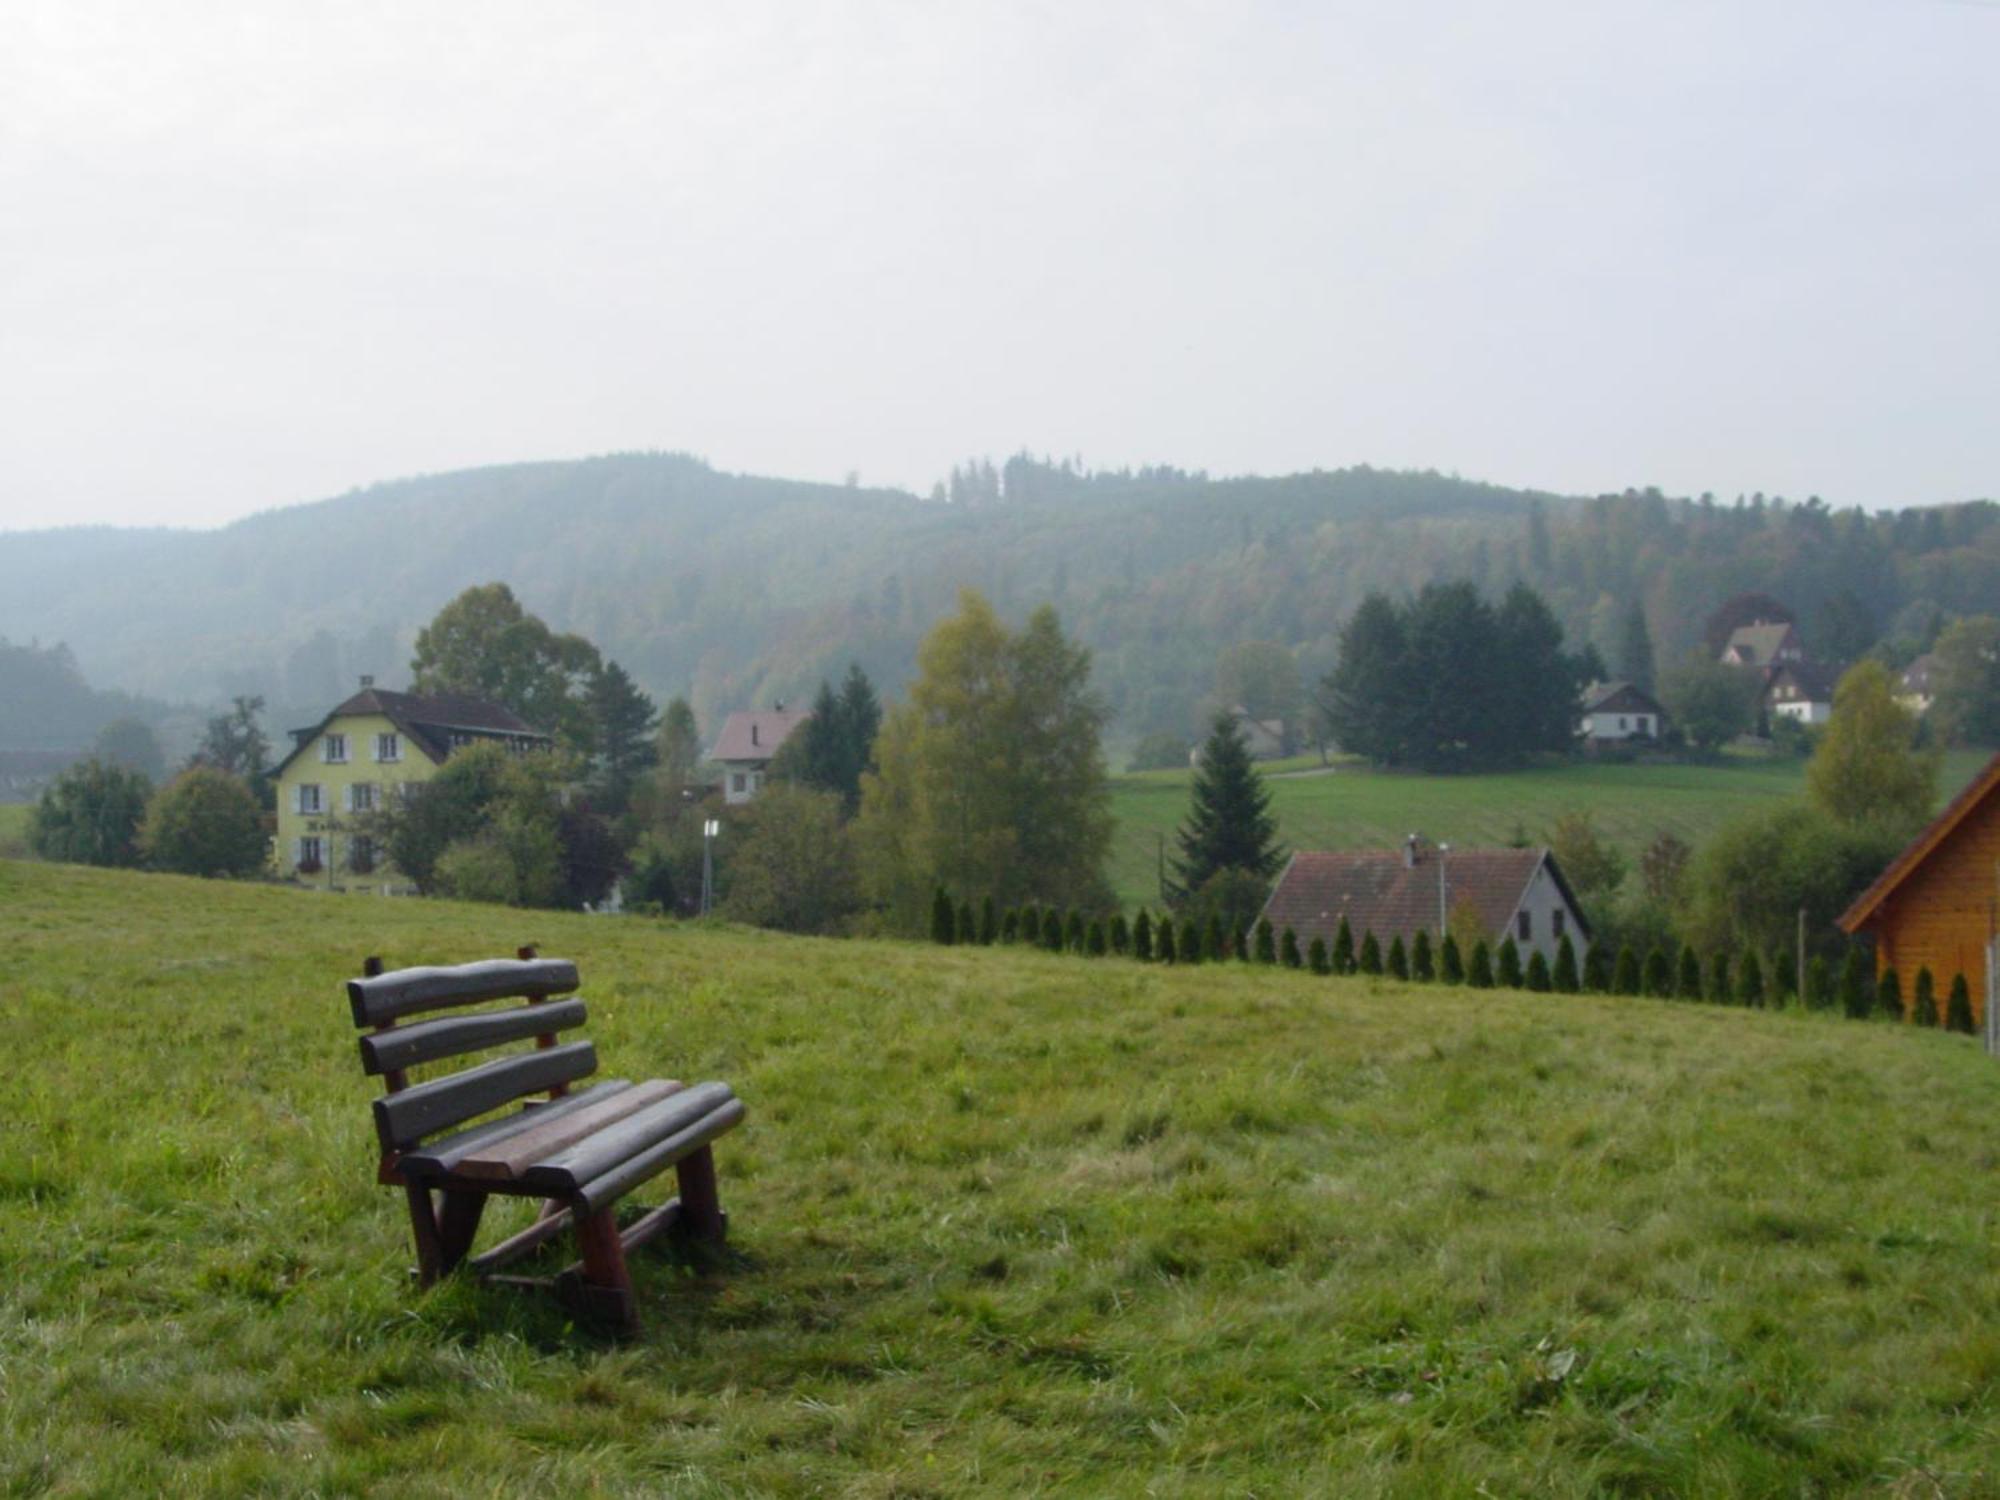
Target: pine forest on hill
{"points": [[738, 590]]}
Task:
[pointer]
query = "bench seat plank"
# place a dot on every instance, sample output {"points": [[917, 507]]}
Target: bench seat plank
{"points": [[601, 1192], [565, 1171], [402, 1119], [508, 1157], [442, 1155], [406, 992], [406, 1046]]}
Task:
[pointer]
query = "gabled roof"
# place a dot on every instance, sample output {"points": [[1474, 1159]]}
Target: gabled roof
{"points": [[1379, 891], [756, 733], [1814, 680], [428, 721], [1620, 697], [1917, 675], [1759, 643], [1986, 784]]}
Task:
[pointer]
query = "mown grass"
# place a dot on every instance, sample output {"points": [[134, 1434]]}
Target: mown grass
{"points": [[1002, 1223], [1353, 807]]}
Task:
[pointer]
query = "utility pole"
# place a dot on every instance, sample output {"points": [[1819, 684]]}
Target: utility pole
{"points": [[1443, 850], [709, 829]]}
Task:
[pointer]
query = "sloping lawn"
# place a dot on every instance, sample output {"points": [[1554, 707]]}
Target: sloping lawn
{"points": [[1002, 1223]]}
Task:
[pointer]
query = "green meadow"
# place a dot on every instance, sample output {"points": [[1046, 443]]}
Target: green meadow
{"points": [[1350, 806], [1001, 1223], [14, 830]]}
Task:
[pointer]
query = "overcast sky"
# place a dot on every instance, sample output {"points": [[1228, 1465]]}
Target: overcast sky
{"points": [[256, 255]]}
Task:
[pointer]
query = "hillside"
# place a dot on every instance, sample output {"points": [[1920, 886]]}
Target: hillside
{"points": [[738, 589], [1001, 1223]]}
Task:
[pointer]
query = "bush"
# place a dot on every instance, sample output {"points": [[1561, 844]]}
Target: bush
{"points": [[1855, 998], [793, 869], [1565, 979], [968, 926], [1509, 971], [1659, 975], [1371, 954], [1958, 1014], [1923, 1004], [1267, 942], [1119, 934], [1142, 937], [1190, 945], [1423, 964], [1687, 983], [1597, 969], [1479, 973], [1889, 995], [1010, 926], [1751, 879], [478, 869], [205, 822], [1625, 980], [1343, 948], [1165, 945], [1538, 973], [1288, 951], [944, 921], [1451, 968], [1316, 958], [1230, 899], [90, 815], [1750, 981], [1093, 940]]}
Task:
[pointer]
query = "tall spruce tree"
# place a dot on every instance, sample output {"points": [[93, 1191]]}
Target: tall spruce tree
{"points": [[622, 722], [1229, 825], [1635, 649]]}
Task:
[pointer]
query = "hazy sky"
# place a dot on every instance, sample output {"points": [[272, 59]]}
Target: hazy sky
{"points": [[256, 255]]}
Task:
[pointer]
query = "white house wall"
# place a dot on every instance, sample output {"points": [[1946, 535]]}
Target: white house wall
{"points": [[1542, 899]]}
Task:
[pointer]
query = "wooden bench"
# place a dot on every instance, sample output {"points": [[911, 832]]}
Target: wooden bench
{"points": [[580, 1153]]}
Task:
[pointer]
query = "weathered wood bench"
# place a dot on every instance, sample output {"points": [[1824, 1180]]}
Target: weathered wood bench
{"points": [[578, 1152]]}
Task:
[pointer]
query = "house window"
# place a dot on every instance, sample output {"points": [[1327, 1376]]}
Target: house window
{"points": [[361, 797], [388, 747], [1556, 923], [309, 797], [334, 750], [1645, 724], [1621, 722], [1524, 926], [311, 853], [361, 856], [736, 781]]}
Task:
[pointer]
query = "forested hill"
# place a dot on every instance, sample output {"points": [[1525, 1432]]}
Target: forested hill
{"points": [[739, 589]]}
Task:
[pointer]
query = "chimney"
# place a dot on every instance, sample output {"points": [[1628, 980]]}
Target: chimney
{"points": [[753, 732], [367, 681], [1413, 851]]}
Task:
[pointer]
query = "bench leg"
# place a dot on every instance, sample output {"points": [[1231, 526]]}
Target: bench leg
{"points": [[606, 1290], [424, 1228], [457, 1225], [701, 1206]]}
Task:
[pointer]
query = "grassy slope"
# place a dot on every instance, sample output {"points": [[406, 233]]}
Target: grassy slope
{"points": [[1001, 1221], [1353, 807], [14, 830]]}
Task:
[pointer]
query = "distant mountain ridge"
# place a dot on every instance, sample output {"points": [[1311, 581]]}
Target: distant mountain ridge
{"points": [[737, 589]]}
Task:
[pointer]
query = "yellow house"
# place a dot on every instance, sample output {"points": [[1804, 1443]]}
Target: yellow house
{"points": [[362, 759]]}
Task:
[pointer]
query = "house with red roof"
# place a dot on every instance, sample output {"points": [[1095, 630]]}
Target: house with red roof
{"points": [[1433, 888], [748, 741]]}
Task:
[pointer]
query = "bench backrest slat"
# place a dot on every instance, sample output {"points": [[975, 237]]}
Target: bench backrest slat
{"points": [[405, 1117], [407, 992], [405, 1046]]}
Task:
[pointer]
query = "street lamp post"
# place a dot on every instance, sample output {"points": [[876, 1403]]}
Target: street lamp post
{"points": [[1443, 850], [709, 829]]}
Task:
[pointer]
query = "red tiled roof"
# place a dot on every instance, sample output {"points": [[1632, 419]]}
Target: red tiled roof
{"points": [[1380, 893], [756, 734]]}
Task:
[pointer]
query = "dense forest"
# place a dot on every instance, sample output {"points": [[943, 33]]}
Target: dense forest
{"points": [[734, 589], [46, 704]]}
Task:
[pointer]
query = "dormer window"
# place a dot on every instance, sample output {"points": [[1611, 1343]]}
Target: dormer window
{"points": [[333, 750]]}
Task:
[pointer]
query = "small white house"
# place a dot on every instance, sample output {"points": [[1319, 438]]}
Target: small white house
{"points": [[749, 739], [1801, 691], [1617, 713]]}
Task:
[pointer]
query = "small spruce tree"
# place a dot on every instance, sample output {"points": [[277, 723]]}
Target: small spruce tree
{"points": [[1924, 1002], [1031, 923], [1565, 979], [1721, 987], [1190, 944], [1164, 944], [1958, 1013], [968, 925], [944, 921], [1398, 961], [1343, 947], [1597, 969], [1370, 961], [1423, 963], [1687, 983], [1782, 978], [1120, 934], [1889, 995], [1659, 974], [1142, 937], [1451, 967], [1288, 951], [1267, 942], [989, 923], [1855, 996], [1479, 973], [1819, 984], [1052, 929], [1626, 979], [1750, 980], [1508, 970], [1211, 939], [1093, 940], [1073, 931], [1010, 926], [1538, 973], [1240, 945], [1316, 958]]}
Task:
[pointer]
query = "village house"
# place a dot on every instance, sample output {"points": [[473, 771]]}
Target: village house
{"points": [[1265, 738], [1619, 713], [1763, 645], [1801, 691], [1937, 905], [1916, 689], [748, 741], [363, 758], [1395, 893]]}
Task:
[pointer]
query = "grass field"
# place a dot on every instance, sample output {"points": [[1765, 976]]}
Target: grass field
{"points": [[1002, 1223], [14, 830], [1352, 807]]}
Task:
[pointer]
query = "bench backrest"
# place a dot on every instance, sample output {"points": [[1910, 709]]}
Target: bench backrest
{"points": [[406, 1112]]}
